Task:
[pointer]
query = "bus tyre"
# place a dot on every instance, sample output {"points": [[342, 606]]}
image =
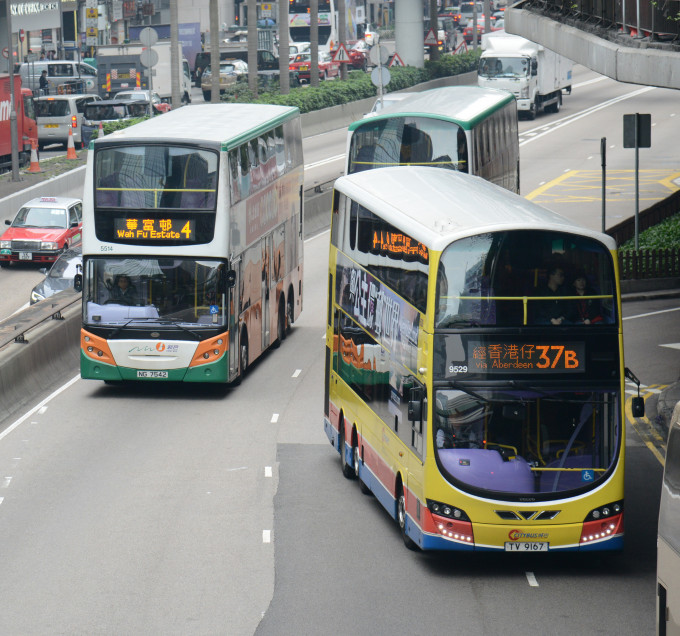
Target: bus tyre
{"points": [[289, 312], [347, 469], [533, 110], [243, 351], [401, 519], [280, 325], [356, 460]]}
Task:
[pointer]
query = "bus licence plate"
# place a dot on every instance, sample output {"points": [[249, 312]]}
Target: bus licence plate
{"points": [[526, 546], [25, 256], [152, 374]]}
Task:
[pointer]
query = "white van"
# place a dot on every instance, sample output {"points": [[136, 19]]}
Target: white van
{"points": [[63, 76], [56, 115]]}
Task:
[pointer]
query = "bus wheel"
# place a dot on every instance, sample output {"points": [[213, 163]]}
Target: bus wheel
{"points": [[347, 469], [289, 312], [356, 459], [401, 519], [243, 351]]}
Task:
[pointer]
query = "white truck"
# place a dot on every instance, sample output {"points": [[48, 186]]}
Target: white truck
{"points": [[536, 76], [119, 68]]}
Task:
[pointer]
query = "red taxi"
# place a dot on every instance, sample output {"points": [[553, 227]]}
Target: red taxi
{"points": [[303, 64], [42, 229]]}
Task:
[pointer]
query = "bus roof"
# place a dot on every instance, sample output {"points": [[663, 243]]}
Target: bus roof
{"points": [[222, 125], [464, 105], [438, 206]]}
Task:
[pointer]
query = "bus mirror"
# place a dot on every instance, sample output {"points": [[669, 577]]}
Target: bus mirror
{"points": [[78, 282], [638, 406], [230, 279], [415, 410]]}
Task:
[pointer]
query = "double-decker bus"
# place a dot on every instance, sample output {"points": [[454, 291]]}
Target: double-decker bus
{"points": [[484, 409], [464, 128], [668, 544], [329, 31], [192, 243]]}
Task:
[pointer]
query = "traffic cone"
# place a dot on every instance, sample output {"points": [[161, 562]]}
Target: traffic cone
{"points": [[101, 130], [35, 166], [70, 147]]}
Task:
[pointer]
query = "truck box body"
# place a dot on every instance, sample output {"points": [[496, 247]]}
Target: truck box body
{"points": [[120, 68], [26, 126], [535, 75]]}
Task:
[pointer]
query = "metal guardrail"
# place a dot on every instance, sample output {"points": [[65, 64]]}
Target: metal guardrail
{"points": [[15, 328]]}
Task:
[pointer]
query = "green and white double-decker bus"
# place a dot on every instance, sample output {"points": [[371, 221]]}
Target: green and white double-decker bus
{"points": [[192, 243], [464, 128]]}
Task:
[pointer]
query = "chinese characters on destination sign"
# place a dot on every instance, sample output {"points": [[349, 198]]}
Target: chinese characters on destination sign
{"points": [[154, 229], [517, 357]]}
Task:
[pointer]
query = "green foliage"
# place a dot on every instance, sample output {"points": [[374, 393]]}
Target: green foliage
{"points": [[357, 86], [661, 236]]}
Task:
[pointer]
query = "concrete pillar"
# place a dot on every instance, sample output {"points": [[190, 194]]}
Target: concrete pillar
{"points": [[408, 32]]}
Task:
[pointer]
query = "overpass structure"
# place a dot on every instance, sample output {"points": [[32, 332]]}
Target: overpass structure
{"points": [[634, 41]]}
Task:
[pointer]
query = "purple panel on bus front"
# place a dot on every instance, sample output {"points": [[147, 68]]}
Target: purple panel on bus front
{"points": [[487, 469]]}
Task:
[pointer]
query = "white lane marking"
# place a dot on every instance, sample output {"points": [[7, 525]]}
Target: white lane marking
{"points": [[275, 418], [297, 373], [24, 417], [42, 410], [267, 471], [323, 162], [266, 536], [672, 345], [6, 482], [532, 579], [652, 313], [231, 470], [2, 499], [584, 113]]}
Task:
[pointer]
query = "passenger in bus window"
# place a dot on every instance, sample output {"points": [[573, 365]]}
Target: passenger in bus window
{"points": [[585, 311], [552, 308]]}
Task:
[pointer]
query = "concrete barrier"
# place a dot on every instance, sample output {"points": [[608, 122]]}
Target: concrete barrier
{"points": [[49, 358]]}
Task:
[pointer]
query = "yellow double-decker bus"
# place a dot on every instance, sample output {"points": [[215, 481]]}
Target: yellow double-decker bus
{"points": [[474, 364]]}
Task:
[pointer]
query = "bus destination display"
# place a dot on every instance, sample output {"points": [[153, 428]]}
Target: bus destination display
{"points": [[487, 357], [145, 229]]}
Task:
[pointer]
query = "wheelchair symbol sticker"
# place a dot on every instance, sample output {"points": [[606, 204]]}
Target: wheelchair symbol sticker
{"points": [[214, 309], [587, 475]]}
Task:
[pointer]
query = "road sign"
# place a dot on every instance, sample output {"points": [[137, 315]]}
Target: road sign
{"points": [[396, 61], [341, 55], [5, 53], [380, 76], [148, 36], [379, 54], [148, 58], [640, 125], [431, 38]]}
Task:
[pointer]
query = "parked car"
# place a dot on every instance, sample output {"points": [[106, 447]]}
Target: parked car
{"points": [[57, 115], [108, 110], [358, 54], [146, 96], [42, 229], [60, 276], [453, 13], [231, 71], [303, 64]]}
